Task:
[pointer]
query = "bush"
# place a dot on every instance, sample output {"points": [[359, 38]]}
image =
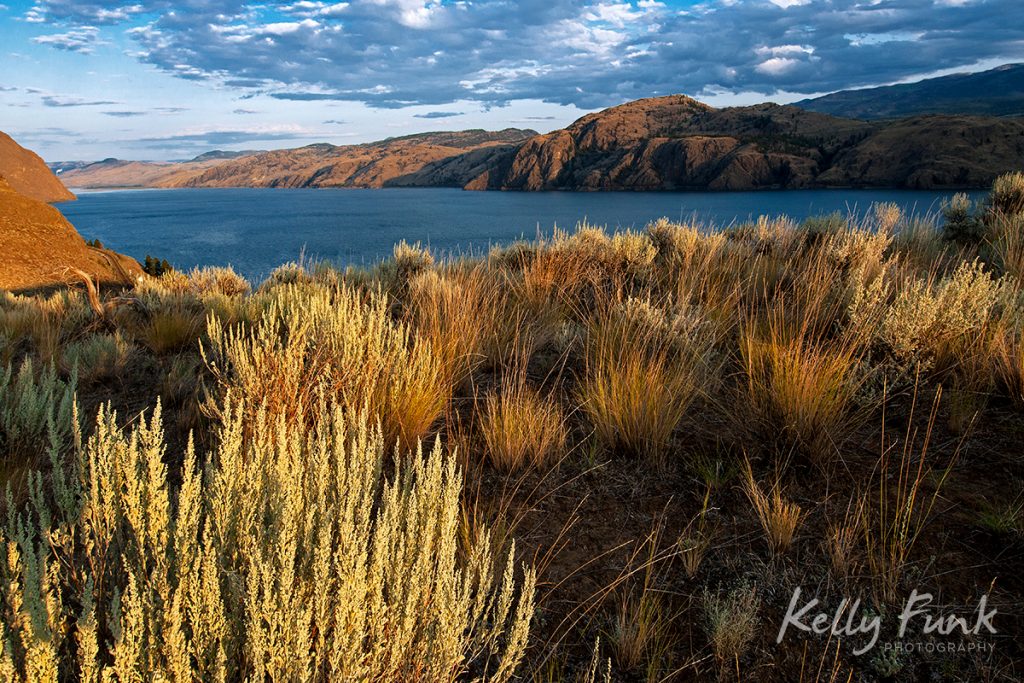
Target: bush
{"points": [[36, 412], [282, 557], [1007, 195], [961, 224]]}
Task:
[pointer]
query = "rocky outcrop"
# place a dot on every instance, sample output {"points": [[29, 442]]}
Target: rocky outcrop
{"points": [[676, 143], [28, 174], [41, 248]]}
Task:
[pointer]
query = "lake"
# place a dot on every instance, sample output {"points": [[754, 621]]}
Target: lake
{"points": [[256, 230]]}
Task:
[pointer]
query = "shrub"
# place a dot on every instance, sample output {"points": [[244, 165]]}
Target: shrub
{"points": [[935, 323], [36, 412], [961, 224], [281, 557], [1007, 195], [97, 357], [407, 261], [521, 427], [816, 228], [886, 216], [731, 620]]}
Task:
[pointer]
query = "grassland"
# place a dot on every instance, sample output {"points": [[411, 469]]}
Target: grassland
{"points": [[592, 457]]}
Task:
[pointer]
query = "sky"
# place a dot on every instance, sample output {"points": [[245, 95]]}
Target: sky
{"points": [[157, 80]]}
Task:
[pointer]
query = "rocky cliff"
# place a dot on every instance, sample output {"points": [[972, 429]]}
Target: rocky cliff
{"points": [[28, 174]]}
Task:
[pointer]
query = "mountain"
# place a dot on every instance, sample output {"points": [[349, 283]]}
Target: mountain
{"points": [[374, 164], [112, 173], [676, 143], [321, 165], [41, 248], [28, 174], [661, 143], [997, 92]]}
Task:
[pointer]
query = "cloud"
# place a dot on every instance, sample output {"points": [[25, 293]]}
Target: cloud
{"points": [[170, 110], [58, 101], [221, 138], [83, 39], [7, 88], [124, 114], [335, 122], [245, 111], [439, 114], [588, 53]]}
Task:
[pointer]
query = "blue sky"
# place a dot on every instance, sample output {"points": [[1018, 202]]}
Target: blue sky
{"points": [[150, 79]]}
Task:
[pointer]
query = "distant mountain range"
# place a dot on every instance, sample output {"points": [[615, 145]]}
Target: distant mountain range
{"points": [[997, 92], [663, 143]]}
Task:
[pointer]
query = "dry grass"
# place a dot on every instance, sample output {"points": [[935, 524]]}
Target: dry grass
{"points": [[801, 388], [282, 541], [901, 505], [521, 427], [779, 517], [643, 371]]}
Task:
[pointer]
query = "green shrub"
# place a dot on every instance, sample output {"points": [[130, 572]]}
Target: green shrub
{"points": [[282, 557], [1007, 195], [36, 412], [962, 225]]}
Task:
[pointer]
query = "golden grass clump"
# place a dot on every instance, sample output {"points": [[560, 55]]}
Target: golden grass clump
{"points": [[521, 427], [644, 368], [282, 556], [314, 343], [455, 312], [800, 387], [779, 517]]}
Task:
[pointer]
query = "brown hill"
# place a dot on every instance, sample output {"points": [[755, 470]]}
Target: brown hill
{"points": [[375, 164], [113, 173], [40, 247], [28, 174], [674, 142]]}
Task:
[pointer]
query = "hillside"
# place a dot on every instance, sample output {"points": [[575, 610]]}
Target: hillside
{"points": [[111, 173], [26, 173], [676, 143], [997, 92], [320, 165], [41, 247]]}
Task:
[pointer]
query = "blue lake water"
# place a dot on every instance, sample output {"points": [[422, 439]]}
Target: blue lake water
{"points": [[256, 230]]}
